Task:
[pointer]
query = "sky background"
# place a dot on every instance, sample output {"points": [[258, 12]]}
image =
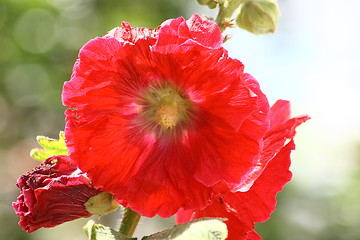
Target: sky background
{"points": [[312, 60]]}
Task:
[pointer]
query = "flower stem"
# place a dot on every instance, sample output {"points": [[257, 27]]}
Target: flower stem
{"points": [[129, 222], [226, 10]]}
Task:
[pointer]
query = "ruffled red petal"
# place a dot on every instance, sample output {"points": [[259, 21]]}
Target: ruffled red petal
{"points": [[175, 33], [205, 32], [281, 130], [253, 236], [127, 34], [243, 209]]}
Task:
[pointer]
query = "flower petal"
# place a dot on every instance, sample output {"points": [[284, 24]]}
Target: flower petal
{"points": [[281, 129], [169, 189], [175, 32], [127, 34], [205, 32], [253, 236], [243, 209]]}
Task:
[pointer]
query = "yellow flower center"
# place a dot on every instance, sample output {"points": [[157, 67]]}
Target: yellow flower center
{"points": [[167, 114], [164, 108]]}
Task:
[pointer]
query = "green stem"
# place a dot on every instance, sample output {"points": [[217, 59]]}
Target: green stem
{"points": [[227, 9], [129, 222]]}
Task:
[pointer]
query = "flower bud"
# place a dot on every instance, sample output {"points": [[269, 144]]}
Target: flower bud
{"points": [[258, 16], [56, 192], [210, 3]]}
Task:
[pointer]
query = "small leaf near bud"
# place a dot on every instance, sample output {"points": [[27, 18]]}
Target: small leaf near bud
{"points": [[259, 16], [50, 146]]}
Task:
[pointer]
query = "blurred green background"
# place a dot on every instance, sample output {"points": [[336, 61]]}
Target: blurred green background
{"points": [[311, 60]]}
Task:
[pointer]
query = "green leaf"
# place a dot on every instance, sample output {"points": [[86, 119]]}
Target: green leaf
{"points": [[199, 229], [50, 148], [100, 232]]}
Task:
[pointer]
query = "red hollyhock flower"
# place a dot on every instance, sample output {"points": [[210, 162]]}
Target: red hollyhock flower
{"points": [[255, 203], [159, 117], [52, 193]]}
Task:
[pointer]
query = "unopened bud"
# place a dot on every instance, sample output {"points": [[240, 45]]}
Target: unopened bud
{"points": [[210, 3], [259, 16]]}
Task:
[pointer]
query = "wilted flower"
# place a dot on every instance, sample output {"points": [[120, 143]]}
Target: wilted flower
{"points": [[56, 192]]}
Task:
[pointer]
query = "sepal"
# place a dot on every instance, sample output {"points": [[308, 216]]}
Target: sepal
{"points": [[101, 204]]}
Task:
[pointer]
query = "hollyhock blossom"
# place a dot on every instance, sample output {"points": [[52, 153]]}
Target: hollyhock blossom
{"points": [[255, 203], [159, 117], [53, 193]]}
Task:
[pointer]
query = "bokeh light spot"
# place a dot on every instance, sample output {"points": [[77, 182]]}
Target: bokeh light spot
{"points": [[26, 84], [35, 31]]}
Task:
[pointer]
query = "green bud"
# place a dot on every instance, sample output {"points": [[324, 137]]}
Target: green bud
{"points": [[101, 204], [259, 16], [210, 3]]}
